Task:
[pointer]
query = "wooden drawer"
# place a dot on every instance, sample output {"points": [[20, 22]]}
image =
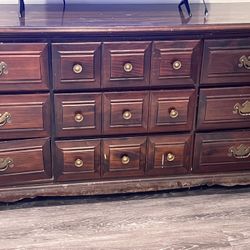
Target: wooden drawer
{"points": [[222, 152], [124, 157], [76, 65], [78, 114], [175, 62], [226, 61], [169, 155], [24, 161], [77, 160], [125, 112], [24, 116], [125, 64], [224, 108], [171, 110], [23, 66]]}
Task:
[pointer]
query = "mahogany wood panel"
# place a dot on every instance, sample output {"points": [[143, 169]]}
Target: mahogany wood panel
{"points": [[125, 112], [175, 62], [169, 154], [77, 160], [124, 157], [115, 57], [24, 161], [222, 64], [26, 66], [66, 56], [24, 116], [78, 114], [224, 108], [222, 152], [172, 110]]}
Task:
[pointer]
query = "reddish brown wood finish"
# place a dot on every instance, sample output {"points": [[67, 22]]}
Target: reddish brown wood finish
{"points": [[27, 66], [218, 108], [68, 153], [66, 56], [31, 161]]}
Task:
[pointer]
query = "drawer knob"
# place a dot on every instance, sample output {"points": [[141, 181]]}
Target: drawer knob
{"points": [[173, 113], [242, 109], [240, 152], [170, 157], [125, 160], [244, 62], [4, 118], [77, 68], [78, 163], [3, 68], [127, 115], [128, 67], [177, 65], [6, 163], [79, 117]]}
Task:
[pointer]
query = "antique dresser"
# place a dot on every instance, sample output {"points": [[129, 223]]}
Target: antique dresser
{"points": [[113, 99]]}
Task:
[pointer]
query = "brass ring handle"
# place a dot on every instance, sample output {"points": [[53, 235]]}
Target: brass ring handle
{"points": [[6, 163], [128, 67], [78, 163], [244, 62], [170, 157], [79, 117], [77, 68], [173, 113], [127, 115], [177, 65], [242, 109], [4, 118], [3, 68], [240, 152], [125, 159]]}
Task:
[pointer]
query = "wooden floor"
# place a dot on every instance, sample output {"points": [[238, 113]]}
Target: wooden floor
{"points": [[215, 218]]}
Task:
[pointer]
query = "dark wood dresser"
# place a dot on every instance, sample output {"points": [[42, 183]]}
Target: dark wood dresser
{"points": [[113, 99]]}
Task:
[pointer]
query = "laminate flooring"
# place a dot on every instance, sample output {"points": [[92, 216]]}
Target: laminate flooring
{"points": [[210, 218]]}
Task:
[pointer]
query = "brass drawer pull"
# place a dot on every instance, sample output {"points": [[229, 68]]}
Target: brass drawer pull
{"points": [[79, 117], [77, 68], [4, 118], [125, 160], [173, 113], [78, 163], [244, 62], [6, 163], [170, 157], [127, 115], [242, 109], [128, 67], [177, 65], [3, 68], [240, 152]]}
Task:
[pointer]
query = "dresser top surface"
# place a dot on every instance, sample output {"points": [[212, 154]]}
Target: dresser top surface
{"points": [[122, 19]]}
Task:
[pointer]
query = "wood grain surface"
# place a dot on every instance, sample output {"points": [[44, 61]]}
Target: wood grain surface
{"points": [[217, 218]]}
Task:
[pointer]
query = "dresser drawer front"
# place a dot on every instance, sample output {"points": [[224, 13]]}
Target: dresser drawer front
{"points": [[224, 108], [23, 67], [169, 154], [77, 160], [78, 114], [222, 152], [226, 61], [125, 112], [24, 161], [76, 65], [124, 157], [175, 62], [171, 110], [126, 64], [23, 116]]}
